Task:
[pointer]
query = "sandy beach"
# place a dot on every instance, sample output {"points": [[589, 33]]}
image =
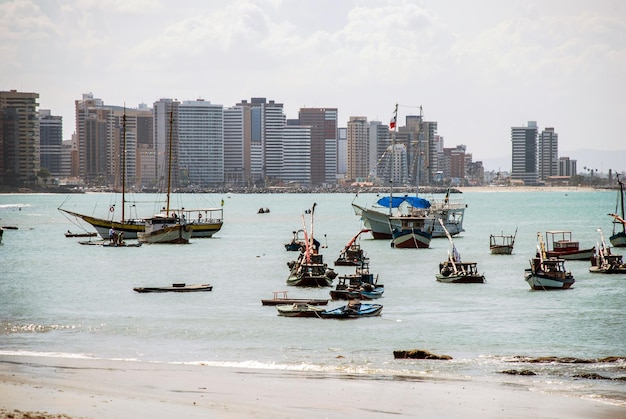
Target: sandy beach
{"points": [[84, 388]]}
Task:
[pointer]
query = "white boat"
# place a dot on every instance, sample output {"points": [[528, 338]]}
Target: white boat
{"points": [[411, 231], [546, 274], [618, 238], [167, 227], [502, 244], [454, 271]]}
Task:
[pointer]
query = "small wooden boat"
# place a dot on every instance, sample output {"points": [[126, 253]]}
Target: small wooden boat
{"points": [[454, 271], [353, 310], [546, 274], [358, 286], [352, 254], [280, 298], [299, 310], [561, 245], [604, 262], [86, 234], [618, 238], [108, 243], [297, 243], [178, 287], [411, 231], [502, 244]]}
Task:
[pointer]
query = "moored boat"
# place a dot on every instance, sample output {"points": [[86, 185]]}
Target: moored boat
{"points": [[299, 310], [358, 286], [561, 245], [176, 287], [411, 231], [546, 274], [296, 243], [604, 262], [352, 254], [453, 270], [353, 310], [281, 298], [618, 238], [86, 234], [502, 244]]}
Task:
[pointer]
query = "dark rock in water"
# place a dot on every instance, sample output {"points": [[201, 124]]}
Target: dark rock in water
{"points": [[592, 376], [418, 354], [518, 372], [567, 360]]}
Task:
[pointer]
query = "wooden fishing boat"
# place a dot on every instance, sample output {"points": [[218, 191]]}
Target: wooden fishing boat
{"points": [[618, 238], [281, 298], [604, 262], [561, 245], [297, 243], [411, 231], [299, 310], [86, 234], [358, 286], [546, 274], [352, 254], [177, 287], [353, 310], [454, 271], [502, 244]]}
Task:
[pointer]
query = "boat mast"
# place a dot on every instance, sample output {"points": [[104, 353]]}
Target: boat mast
{"points": [[419, 155], [169, 165], [621, 194], [393, 155], [123, 163]]}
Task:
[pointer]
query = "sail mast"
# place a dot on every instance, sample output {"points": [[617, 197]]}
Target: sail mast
{"points": [[123, 163], [394, 126], [169, 165]]}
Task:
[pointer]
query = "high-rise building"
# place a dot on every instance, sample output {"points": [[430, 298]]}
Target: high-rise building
{"points": [[200, 143], [379, 144], [323, 123], [296, 167], [342, 152], [165, 120], [234, 148], [548, 154], [50, 141], [358, 149], [524, 153], [19, 138], [95, 151], [567, 167]]}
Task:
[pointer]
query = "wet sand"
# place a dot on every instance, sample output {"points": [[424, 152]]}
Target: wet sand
{"points": [[117, 389]]}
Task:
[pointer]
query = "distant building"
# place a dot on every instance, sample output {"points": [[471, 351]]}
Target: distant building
{"points": [[547, 154], [50, 141], [342, 152], [524, 154], [236, 151], [567, 167], [165, 126], [19, 138], [323, 125], [297, 161], [358, 148]]}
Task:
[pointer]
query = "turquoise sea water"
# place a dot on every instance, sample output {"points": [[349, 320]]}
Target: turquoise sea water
{"points": [[60, 298]]}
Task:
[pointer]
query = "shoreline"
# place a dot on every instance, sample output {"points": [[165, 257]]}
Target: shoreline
{"points": [[94, 388]]}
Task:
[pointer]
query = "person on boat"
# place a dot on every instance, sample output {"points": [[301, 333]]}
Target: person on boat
{"points": [[112, 235]]}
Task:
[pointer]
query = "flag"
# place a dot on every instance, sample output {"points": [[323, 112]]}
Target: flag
{"points": [[392, 123]]}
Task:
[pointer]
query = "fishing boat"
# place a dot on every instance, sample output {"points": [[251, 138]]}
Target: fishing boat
{"points": [[86, 234], [178, 287], [352, 254], [353, 310], [411, 231], [129, 226], [453, 270], [502, 244], [1, 232], [281, 298], [546, 274], [299, 310], [296, 243], [358, 286], [377, 217], [618, 238], [167, 227], [205, 221], [561, 245], [309, 270], [604, 262]]}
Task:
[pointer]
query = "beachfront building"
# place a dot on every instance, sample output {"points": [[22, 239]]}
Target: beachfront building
{"points": [[342, 152], [524, 154], [235, 148], [567, 167], [358, 149], [547, 154], [200, 143], [297, 160], [165, 126], [19, 138], [50, 141], [323, 125]]}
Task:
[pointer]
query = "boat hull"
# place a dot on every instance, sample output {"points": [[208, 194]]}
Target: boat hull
{"points": [[574, 255], [176, 288], [205, 230], [130, 228], [411, 239], [299, 310], [309, 281], [374, 294], [461, 279], [618, 240], [378, 222], [175, 234], [539, 282], [501, 250], [345, 312]]}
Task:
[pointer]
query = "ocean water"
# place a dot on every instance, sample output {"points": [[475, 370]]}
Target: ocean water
{"points": [[60, 298]]}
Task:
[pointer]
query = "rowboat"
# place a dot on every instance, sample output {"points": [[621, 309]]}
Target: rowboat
{"points": [[178, 287], [281, 298], [353, 310], [299, 310]]}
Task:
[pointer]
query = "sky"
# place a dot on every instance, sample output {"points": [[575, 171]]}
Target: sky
{"points": [[478, 67]]}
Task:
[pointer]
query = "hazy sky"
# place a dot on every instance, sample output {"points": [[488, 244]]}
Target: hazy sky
{"points": [[477, 67]]}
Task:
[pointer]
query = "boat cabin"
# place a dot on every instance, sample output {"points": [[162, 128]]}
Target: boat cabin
{"points": [[561, 241]]}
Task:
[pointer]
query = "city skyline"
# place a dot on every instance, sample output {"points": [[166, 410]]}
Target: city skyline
{"points": [[555, 62]]}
